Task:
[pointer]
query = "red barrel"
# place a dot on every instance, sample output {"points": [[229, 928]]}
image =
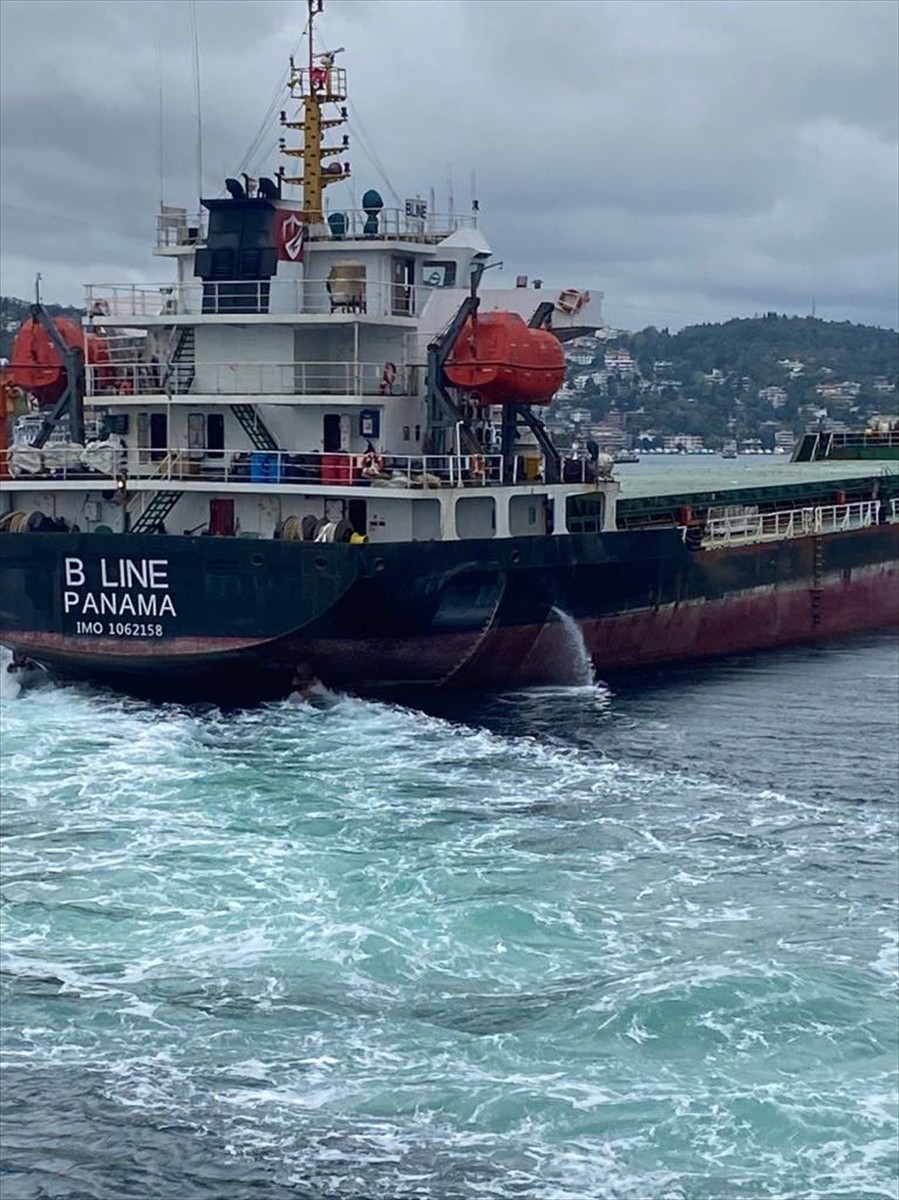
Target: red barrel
{"points": [[337, 469], [502, 359]]}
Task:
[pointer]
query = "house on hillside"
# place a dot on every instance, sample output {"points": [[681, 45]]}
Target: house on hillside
{"points": [[775, 396]]}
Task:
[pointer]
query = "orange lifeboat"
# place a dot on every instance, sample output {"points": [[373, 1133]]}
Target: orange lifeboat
{"points": [[501, 358], [37, 366]]}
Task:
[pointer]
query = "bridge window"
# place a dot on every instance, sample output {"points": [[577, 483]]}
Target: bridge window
{"points": [[402, 276], [439, 274]]}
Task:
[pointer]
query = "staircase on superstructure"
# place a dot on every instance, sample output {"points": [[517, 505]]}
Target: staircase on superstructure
{"points": [[161, 504]]}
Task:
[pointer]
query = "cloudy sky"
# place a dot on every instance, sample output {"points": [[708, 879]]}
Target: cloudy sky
{"points": [[693, 159]]}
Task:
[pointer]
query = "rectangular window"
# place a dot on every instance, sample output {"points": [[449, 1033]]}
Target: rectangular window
{"points": [[332, 442], [159, 436], [585, 513], [439, 274], [215, 434], [402, 278], [405, 433]]}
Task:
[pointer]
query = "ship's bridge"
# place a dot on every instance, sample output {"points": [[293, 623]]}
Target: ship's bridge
{"points": [[269, 268]]}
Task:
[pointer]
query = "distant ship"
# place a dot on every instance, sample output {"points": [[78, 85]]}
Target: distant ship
{"points": [[729, 450], [625, 456], [321, 455]]}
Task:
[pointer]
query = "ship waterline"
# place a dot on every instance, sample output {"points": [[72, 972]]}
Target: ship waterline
{"points": [[487, 615]]}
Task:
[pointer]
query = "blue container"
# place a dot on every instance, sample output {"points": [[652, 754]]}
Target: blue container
{"points": [[264, 467]]}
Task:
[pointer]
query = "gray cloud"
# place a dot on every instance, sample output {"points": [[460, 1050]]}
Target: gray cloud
{"points": [[693, 160]]}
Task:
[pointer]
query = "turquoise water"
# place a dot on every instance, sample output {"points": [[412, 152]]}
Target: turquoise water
{"points": [[574, 944]]}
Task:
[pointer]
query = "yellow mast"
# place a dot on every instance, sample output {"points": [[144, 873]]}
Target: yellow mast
{"points": [[315, 85]]}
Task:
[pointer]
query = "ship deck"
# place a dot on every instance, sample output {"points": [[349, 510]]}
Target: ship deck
{"points": [[651, 487]]}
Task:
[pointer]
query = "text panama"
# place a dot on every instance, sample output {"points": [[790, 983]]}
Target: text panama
{"points": [[118, 587]]}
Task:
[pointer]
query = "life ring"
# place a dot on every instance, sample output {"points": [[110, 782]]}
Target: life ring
{"points": [[388, 378], [373, 464]]}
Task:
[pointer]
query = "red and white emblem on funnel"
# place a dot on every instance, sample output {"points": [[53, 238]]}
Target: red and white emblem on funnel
{"points": [[292, 233]]}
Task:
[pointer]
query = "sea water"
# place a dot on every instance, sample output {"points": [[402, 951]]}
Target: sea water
{"points": [[587, 943]]}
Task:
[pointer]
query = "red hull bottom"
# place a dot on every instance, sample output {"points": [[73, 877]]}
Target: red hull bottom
{"points": [[766, 618], [562, 652]]}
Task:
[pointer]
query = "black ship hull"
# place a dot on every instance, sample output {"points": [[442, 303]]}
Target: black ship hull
{"points": [[234, 619]]}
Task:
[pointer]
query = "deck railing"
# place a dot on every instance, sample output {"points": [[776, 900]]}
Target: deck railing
{"points": [[412, 223], [868, 438], [105, 461], [249, 379], [400, 224], [108, 302], [790, 523]]}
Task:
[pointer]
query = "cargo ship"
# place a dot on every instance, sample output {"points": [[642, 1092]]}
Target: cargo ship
{"points": [[319, 454]]}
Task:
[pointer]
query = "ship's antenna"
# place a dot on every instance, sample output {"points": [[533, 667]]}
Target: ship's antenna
{"points": [[317, 84], [475, 202], [160, 132], [195, 44], [450, 204], [37, 288]]}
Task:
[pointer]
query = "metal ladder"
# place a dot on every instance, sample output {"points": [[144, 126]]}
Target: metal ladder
{"points": [[816, 594], [180, 367], [254, 427], [161, 504]]}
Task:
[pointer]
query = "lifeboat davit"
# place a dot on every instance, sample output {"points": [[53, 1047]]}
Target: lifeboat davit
{"points": [[37, 366], [8, 396], [502, 359]]}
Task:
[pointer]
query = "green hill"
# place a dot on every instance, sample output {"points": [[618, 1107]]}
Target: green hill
{"points": [[747, 379], [755, 346]]}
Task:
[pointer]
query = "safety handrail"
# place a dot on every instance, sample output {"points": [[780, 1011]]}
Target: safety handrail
{"points": [[326, 378], [868, 437], [281, 467], [794, 522], [105, 303]]}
